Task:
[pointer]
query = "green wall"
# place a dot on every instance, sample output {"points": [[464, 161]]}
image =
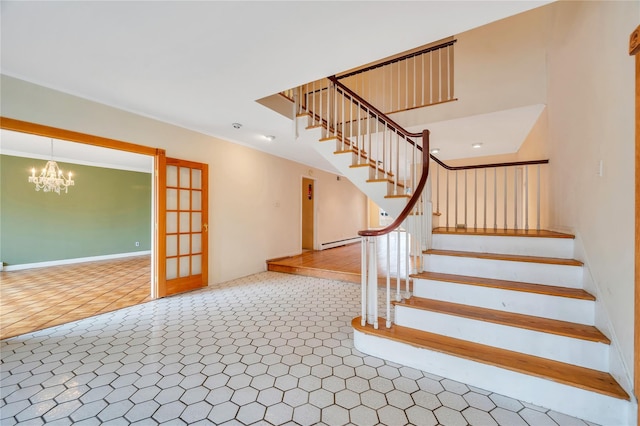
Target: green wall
{"points": [[106, 212]]}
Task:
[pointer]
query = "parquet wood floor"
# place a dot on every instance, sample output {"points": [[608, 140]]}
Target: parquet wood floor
{"points": [[34, 299], [343, 263]]}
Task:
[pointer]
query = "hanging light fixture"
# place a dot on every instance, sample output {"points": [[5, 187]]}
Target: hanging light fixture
{"points": [[51, 178]]}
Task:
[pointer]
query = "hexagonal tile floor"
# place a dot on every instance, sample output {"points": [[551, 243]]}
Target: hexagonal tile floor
{"points": [[267, 349]]}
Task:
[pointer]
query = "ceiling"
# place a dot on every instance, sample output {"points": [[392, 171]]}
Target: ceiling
{"points": [[202, 65]]}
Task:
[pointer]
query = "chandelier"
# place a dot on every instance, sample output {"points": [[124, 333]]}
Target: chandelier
{"points": [[51, 178]]}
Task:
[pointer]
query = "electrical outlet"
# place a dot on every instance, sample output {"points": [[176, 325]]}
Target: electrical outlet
{"points": [[137, 243], [601, 168]]}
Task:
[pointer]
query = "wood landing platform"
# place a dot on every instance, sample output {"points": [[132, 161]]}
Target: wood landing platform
{"points": [[339, 263], [343, 263]]}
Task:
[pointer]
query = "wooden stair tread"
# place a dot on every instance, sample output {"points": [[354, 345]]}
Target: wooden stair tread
{"points": [[533, 233], [550, 290], [528, 322], [391, 181], [509, 257], [580, 377]]}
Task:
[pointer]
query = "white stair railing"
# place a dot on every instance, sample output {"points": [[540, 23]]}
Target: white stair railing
{"points": [[415, 79], [490, 196], [401, 158], [392, 155]]}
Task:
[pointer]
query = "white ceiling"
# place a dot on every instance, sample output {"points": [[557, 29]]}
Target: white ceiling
{"points": [[202, 65]]}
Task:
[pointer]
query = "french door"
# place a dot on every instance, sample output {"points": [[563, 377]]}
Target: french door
{"points": [[182, 226]]}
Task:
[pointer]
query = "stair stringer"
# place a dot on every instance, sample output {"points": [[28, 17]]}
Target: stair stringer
{"points": [[377, 191], [591, 406], [618, 368]]}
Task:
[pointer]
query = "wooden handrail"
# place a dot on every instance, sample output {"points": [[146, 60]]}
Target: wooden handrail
{"points": [[414, 198], [488, 166], [398, 59], [425, 158], [381, 116]]}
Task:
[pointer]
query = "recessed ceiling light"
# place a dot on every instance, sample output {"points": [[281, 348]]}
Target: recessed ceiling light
{"points": [[435, 150], [476, 145], [270, 138]]}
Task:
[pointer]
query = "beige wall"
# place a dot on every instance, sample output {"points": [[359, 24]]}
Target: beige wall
{"points": [[255, 200], [498, 66], [534, 147], [591, 118]]}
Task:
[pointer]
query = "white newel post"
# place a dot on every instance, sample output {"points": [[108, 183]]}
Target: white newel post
{"points": [[427, 229], [372, 284]]}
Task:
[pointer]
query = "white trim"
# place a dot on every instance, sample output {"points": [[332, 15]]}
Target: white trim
{"points": [[79, 161], [76, 260], [339, 243]]}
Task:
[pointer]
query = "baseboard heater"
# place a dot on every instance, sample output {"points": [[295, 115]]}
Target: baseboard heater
{"points": [[339, 243]]}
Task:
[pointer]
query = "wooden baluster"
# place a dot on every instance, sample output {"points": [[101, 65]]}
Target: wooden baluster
{"points": [[455, 221], [538, 201], [475, 199], [515, 198], [364, 241], [526, 198], [388, 295], [484, 204], [374, 280], [447, 200], [495, 198], [505, 198], [465, 199], [398, 285], [437, 168]]}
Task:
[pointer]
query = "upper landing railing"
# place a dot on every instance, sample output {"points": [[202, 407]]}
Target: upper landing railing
{"points": [[415, 79], [506, 195]]}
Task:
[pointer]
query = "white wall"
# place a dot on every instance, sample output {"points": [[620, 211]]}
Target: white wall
{"points": [[254, 200], [591, 118]]}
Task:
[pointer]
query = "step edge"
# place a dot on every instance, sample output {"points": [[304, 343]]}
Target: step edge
{"points": [[598, 338], [506, 257], [487, 232], [614, 391], [535, 288]]}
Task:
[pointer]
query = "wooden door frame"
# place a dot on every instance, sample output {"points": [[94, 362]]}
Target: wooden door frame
{"points": [[315, 209], [71, 136], [634, 50]]}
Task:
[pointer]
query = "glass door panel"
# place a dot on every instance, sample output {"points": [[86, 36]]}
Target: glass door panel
{"points": [[186, 225]]}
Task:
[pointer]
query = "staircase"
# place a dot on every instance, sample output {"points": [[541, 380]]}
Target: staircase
{"points": [[513, 320], [502, 310]]}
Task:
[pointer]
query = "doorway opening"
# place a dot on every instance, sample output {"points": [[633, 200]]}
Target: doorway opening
{"points": [[133, 274]]}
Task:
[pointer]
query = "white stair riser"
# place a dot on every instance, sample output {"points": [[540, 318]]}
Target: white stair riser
{"points": [[570, 400], [539, 305], [536, 273], [525, 246], [552, 346]]}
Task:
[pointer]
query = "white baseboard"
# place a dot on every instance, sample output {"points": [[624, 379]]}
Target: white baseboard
{"points": [[73, 261]]}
